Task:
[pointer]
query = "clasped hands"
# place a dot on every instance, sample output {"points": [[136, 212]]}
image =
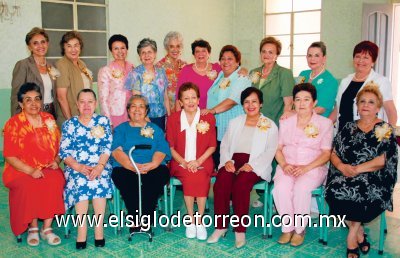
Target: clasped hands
{"points": [[348, 170], [38, 173], [89, 171], [295, 170], [230, 167], [193, 165]]}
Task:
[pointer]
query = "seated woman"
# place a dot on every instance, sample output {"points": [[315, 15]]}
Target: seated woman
{"points": [[192, 139], [305, 141], [363, 172], [244, 162], [85, 149], [150, 161], [31, 172]]}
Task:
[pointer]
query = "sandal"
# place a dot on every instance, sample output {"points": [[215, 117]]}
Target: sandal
{"points": [[52, 239], [354, 251], [364, 244], [33, 237]]}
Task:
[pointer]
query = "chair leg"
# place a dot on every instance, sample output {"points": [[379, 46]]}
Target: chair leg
{"points": [[321, 211], [166, 200], [326, 222], [382, 233], [266, 193], [67, 231], [270, 208], [19, 239]]}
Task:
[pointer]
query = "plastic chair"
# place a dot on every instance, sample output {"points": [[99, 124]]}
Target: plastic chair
{"points": [[318, 193]]}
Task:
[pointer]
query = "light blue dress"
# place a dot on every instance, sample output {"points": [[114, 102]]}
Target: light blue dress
{"points": [[85, 144], [216, 95], [153, 91]]}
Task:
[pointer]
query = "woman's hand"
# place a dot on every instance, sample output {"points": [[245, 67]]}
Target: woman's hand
{"points": [[146, 167], [206, 111], [300, 170], [37, 173], [52, 165], [288, 169], [287, 114], [81, 168], [243, 72], [230, 167], [246, 168], [193, 165], [96, 171], [347, 170]]}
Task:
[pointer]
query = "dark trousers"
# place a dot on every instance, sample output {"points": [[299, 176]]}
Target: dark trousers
{"points": [[159, 121], [152, 186], [239, 187]]}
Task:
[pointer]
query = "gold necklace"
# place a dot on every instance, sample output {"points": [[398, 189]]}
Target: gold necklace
{"points": [[360, 79], [200, 70]]}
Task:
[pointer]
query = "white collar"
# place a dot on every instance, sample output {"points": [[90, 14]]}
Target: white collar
{"points": [[184, 122]]}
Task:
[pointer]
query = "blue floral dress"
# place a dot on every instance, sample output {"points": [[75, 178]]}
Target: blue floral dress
{"points": [[85, 144]]}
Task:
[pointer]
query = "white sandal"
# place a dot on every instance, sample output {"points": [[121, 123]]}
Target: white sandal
{"points": [[52, 239], [33, 236]]}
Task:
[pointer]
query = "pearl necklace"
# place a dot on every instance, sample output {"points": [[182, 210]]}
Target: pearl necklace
{"points": [[313, 77], [360, 79], [200, 70], [40, 64]]}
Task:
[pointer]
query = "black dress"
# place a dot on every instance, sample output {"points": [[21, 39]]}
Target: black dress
{"points": [[347, 102], [365, 196]]}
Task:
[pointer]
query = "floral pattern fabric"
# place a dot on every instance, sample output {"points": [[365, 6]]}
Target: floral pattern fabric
{"points": [[85, 144], [365, 196], [154, 90]]}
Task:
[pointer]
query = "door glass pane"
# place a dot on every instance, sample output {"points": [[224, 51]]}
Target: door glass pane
{"points": [[57, 16], [277, 24], [94, 65], [91, 18], [301, 5], [285, 41], [55, 38], [302, 42], [307, 22], [278, 6], [299, 64], [284, 61], [92, 1], [95, 44]]}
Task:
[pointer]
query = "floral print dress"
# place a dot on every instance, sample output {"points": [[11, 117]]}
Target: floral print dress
{"points": [[85, 144], [365, 196]]}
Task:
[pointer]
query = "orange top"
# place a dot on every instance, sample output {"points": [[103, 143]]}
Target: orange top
{"points": [[36, 147]]}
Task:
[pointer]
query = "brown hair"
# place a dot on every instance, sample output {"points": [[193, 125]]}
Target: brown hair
{"points": [[367, 47], [234, 50], [273, 41], [67, 37], [188, 86], [373, 88], [36, 31]]}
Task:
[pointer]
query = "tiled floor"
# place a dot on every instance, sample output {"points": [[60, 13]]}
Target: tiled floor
{"points": [[174, 244]]}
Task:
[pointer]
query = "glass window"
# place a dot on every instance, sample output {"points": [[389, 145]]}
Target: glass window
{"points": [[278, 6], [57, 16], [91, 18], [301, 5], [277, 24], [307, 22]]}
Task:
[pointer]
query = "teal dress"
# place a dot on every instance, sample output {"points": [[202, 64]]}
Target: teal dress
{"points": [[327, 88]]}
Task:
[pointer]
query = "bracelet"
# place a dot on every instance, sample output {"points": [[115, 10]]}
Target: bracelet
{"points": [[102, 164]]}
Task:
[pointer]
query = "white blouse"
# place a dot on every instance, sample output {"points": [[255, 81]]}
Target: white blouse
{"points": [[191, 135]]}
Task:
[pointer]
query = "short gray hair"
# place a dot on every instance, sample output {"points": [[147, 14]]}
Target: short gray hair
{"points": [[137, 96], [146, 42], [172, 35]]}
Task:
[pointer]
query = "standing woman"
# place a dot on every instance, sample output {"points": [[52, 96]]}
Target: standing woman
{"points": [[111, 81], [85, 148], [201, 72], [172, 64], [192, 140], [365, 54], [275, 81], [324, 82], [74, 77], [36, 69], [151, 82]]}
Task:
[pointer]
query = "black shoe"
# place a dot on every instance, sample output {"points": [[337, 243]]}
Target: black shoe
{"points": [[80, 245], [134, 230], [354, 251], [364, 244], [100, 242]]}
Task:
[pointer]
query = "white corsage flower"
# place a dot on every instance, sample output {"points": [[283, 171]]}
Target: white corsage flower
{"points": [[147, 132], [203, 127], [311, 131], [263, 124], [225, 82], [50, 124], [53, 72], [97, 131], [383, 132], [255, 77], [117, 74], [320, 80], [212, 74], [148, 77]]}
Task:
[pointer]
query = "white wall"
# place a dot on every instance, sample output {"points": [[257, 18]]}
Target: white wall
{"points": [[207, 19]]}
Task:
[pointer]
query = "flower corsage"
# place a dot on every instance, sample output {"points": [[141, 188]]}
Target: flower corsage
{"points": [[224, 83], [254, 77], [320, 81], [50, 124], [263, 124], [53, 72], [212, 74], [203, 127], [148, 77], [311, 131], [117, 74], [147, 132], [383, 132], [97, 131]]}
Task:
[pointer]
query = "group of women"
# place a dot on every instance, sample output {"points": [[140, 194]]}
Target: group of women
{"points": [[197, 116]]}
